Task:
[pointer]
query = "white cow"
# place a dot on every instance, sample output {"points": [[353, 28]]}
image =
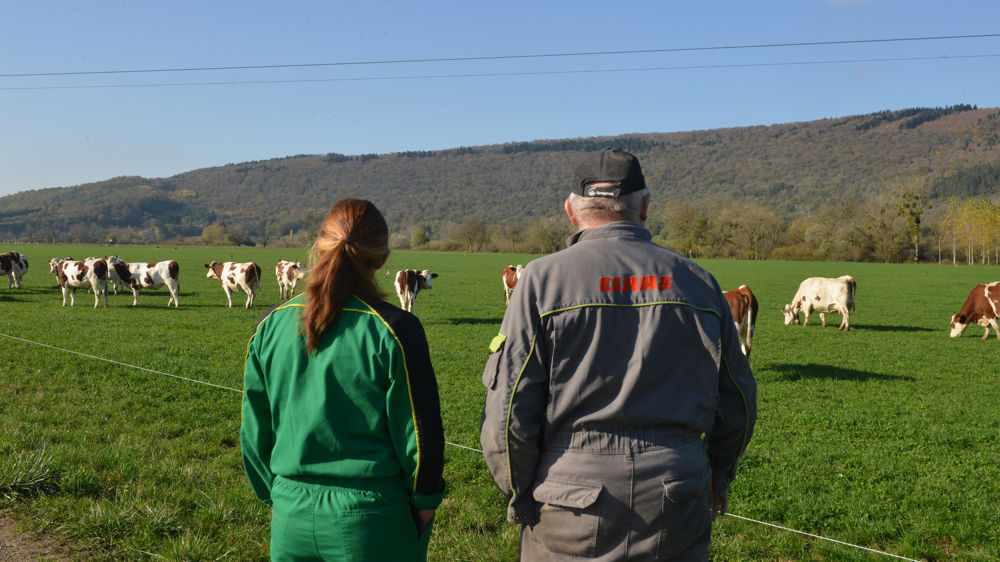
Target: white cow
{"points": [[72, 274], [823, 295], [149, 276], [236, 276], [409, 282], [14, 265], [288, 274]]}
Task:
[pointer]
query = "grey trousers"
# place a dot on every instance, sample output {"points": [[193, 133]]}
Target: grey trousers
{"points": [[636, 495]]}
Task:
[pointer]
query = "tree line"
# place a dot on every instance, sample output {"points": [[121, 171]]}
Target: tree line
{"points": [[826, 189]]}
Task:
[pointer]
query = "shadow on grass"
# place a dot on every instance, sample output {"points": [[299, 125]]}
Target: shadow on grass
{"points": [[797, 371]]}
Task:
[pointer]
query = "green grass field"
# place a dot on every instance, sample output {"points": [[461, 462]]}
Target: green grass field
{"points": [[886, 437]]}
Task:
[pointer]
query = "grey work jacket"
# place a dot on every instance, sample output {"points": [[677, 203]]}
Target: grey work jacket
{"points": [[613, 333]]}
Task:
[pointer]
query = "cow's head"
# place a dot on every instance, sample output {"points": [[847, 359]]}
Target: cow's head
{"points": [[424, 279], [121, 268], [54, 264], [297, 270], [791, 314], [958, 325], [214, 270]]}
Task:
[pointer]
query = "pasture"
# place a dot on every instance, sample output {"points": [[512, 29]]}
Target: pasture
{"points": [[886, 437]]}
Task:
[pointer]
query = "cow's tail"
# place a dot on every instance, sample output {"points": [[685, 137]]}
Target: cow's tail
{"points": [[852, 287], [256, 272], [749, 319]]}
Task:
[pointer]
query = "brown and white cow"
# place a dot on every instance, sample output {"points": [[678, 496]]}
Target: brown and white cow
{"points": [[981, 307], [288, 274], [72, 274], [743, 303], [823, 294], [14, 265], [149, 276], [236, 276], [409, 282], [114, 278], [509, 276]]}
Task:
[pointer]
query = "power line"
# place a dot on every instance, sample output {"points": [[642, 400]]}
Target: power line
{"points": [[501, 74], [506, 57]]}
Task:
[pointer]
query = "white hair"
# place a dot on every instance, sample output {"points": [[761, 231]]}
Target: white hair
{"points": [[626, 207]]}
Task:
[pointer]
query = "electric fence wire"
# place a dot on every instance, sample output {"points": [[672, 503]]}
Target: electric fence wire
{"points": [[187, 379]]}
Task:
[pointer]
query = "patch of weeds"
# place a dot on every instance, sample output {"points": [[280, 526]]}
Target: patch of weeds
{"points": [[28, 474]]}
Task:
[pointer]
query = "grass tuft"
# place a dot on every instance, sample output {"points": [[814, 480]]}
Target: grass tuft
{"points": [[28, 473]]}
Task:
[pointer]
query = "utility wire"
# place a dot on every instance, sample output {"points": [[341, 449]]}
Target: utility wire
{"points": [[508, 57], [500, 74]]}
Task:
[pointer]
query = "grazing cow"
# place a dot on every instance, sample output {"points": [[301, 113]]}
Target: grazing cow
{"points": [[236, 276], [288, 274], [14, 265], [72, 274], [408, 284], [509, 277], [981, 307], [823, 295], [743, 303], [149, 276]]}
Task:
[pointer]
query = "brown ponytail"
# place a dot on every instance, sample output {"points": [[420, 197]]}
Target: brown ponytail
{"points": [[352, 243]]}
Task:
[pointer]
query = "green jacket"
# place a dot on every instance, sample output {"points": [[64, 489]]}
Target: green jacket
{"points": [[363, 405]]}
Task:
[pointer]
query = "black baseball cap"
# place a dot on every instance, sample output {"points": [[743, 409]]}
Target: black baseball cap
{"points": [[609, 165]]}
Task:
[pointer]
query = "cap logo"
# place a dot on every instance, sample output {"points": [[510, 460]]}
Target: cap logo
{"points": [[603, 191]]}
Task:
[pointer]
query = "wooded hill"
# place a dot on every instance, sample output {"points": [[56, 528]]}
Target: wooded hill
{"points": [[791, 169]]}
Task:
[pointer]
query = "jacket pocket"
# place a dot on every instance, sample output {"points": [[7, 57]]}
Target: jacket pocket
{"points": [[685, 515], [492, 370], [569, 516]]}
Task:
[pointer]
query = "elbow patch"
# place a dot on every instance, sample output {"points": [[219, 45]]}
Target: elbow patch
{"points": [[497, 342]]}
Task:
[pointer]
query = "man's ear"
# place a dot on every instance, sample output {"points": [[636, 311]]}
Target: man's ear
{"points": [[644, 209], [569, 212]]}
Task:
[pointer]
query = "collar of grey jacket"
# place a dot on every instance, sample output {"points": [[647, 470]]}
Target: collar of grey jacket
{"points": [[618, 229]]}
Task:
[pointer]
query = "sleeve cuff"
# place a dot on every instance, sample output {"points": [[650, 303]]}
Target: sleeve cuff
{"points": [[523, 513], [428, 501], [722, 480]]}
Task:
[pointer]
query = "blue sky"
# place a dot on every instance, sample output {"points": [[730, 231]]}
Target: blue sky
{"points": [[66, 130]]}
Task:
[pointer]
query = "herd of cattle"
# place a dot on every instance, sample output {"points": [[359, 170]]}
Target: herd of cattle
{"points": [[97, 273], [815, 294]]}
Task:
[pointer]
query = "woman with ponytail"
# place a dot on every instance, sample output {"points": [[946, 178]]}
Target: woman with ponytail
{"points": [[341, 427]]}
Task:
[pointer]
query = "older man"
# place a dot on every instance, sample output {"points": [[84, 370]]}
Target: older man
{"points": [[618, 400]]}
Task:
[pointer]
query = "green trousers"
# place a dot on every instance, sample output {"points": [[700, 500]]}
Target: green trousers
{"points": [[342, 519]]}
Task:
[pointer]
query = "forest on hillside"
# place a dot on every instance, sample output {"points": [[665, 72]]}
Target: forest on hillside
{"points": [[887, 186]]}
